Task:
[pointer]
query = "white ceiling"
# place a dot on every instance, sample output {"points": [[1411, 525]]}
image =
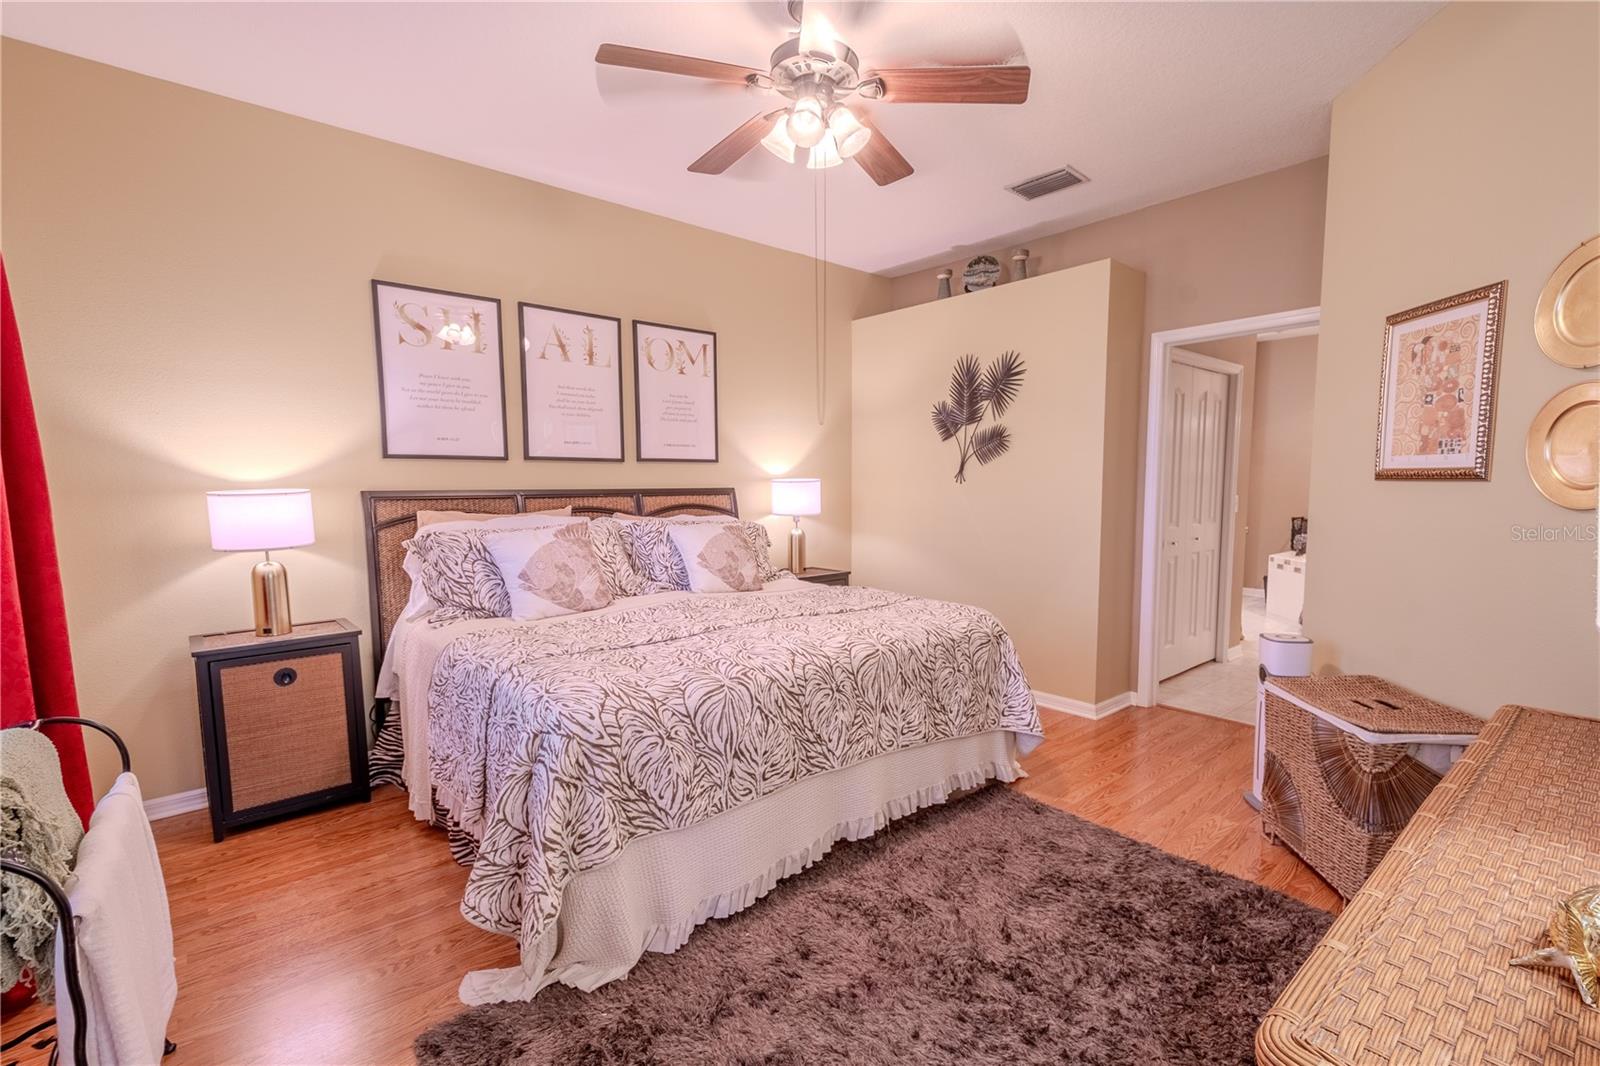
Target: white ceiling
{"points": [[1150, 100]]}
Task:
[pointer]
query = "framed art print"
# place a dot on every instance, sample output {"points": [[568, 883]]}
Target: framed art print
{"points": [[571, 384], [675, 393], [1436, 398], [441, 373]]}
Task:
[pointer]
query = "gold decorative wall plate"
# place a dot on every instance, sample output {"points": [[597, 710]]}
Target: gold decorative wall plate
{"points": [[1564, 447], [1567, 318]]}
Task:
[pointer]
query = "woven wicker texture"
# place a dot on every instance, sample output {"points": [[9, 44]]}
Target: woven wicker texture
{"points": [[1378, 706], [1333, 799], [285, 740], [1417, 969], [679, 503], [392, 521]]}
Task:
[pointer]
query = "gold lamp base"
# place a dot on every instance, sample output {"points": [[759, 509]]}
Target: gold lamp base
{"points": [[797, 549], [269, 588]]}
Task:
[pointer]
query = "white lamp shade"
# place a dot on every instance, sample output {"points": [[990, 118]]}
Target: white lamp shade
{"points": [[796, 495], [779, 143], [260, 519]]}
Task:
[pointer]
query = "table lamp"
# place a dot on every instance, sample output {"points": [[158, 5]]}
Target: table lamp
{"points": [[793, 497], [263, 520]]}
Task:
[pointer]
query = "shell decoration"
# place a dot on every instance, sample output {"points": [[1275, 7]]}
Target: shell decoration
{"points": [[1574, 946]]}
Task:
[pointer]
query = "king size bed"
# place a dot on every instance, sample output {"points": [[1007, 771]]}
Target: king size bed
{"points": [[620, 775]]}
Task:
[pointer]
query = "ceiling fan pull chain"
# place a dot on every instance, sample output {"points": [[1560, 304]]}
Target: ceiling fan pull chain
{"points": [[822, 357]]}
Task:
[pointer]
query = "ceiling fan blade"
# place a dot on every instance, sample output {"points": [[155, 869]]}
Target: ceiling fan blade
{"points": [[955, 85], [881, 160], [733, 147], [621, 55]]}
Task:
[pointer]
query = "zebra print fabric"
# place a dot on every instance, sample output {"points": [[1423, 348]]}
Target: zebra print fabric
{"points": [[658, 563], [556, 745], [384, 767], [459, 575]]}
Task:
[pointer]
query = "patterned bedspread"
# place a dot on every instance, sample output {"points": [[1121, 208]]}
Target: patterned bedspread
{"points": [[557, 744]]}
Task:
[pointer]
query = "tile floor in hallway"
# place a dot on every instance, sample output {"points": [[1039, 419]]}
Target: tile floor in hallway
{"points": [[1227, 690]]}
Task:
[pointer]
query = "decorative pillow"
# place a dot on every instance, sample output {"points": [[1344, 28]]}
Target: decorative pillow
{"points": [[761, 544], [717, 558], [616, 562], [548, 571], [457, 573], [651, 549]]}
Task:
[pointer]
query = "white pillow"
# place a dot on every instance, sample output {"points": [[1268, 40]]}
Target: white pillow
{"points": [[717, 558], [433, 518], [525, 520], [548, 572], [418, 604]]}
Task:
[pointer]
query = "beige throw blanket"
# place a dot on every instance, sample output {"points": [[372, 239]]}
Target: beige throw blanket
{"points": [[39, 827], [556, 745]]}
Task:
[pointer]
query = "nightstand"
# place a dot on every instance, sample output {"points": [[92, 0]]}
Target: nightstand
{"points": [[821, 575], [281, 722]]}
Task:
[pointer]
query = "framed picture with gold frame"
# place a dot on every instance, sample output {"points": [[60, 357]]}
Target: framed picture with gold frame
{"points": [[1436, 399]]}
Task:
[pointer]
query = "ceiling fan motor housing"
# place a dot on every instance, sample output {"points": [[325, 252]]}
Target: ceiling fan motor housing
{"points": [[818, 73]]}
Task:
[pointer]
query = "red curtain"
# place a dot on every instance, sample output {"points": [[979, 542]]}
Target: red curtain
{"points": [[35, 658]]}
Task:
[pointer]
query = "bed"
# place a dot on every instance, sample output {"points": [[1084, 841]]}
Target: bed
{"points": [[625, 774]]}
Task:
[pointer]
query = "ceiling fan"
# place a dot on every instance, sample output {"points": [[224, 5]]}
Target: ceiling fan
{"points": [[818, 72]]}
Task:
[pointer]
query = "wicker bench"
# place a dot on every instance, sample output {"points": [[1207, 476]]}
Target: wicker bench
{"points": [[1417, 968]]}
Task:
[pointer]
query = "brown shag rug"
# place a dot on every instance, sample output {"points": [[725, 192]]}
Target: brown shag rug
{"points": [[995, 929]]}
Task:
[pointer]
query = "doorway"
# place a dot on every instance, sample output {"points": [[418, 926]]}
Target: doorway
{"points": [[1189, 608], [1202, 415]]}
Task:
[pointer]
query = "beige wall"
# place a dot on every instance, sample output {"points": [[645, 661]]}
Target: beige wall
{"points": [[1279, 475], [1248, 248], [191, 279], [1469, 155], [1042, 536]]}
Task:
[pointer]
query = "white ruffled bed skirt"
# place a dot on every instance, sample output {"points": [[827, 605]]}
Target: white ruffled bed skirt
{"points": [[654, 894]]}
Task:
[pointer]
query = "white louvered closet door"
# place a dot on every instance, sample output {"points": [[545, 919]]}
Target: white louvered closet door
{"points": [[1195, 439]]}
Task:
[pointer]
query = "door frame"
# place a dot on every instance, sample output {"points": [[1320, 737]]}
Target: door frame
{"points": [[1161, 355]]}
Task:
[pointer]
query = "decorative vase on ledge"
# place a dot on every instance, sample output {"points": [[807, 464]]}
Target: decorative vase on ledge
{"points": [[944, 283]]}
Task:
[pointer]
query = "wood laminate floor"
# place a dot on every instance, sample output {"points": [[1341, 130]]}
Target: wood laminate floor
{"points": [[336, 938]]}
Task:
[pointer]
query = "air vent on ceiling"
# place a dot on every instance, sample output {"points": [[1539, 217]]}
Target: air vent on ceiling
{"points": [[1044, 184]]}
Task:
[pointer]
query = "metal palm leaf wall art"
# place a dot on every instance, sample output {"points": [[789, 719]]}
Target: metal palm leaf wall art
{"points": [[975, 393]]}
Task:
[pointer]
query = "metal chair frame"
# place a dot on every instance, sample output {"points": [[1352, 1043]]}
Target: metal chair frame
{"points": [[69, 932]]}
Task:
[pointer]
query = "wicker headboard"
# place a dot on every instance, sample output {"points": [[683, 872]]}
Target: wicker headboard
{"points": [[389, 519]]}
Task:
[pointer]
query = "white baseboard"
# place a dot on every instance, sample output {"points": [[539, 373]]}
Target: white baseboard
{"points": [[1236, 652], [1104, 709], [177, 803]]}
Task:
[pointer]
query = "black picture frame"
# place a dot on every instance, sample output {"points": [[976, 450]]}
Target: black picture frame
{"points": [[383, 406], [522, 356], [638, 414]]}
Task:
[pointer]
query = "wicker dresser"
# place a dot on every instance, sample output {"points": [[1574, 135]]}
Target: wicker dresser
{"points": [[1417, 968]]}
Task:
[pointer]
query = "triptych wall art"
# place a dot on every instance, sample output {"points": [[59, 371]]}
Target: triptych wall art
{"points": [[441, 381]]}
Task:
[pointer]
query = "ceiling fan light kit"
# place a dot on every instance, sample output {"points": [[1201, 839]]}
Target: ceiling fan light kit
{"points": [[817, 71]]}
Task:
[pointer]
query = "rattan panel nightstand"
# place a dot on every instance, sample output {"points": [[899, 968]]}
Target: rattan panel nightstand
{"points": [[281, 721]]}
